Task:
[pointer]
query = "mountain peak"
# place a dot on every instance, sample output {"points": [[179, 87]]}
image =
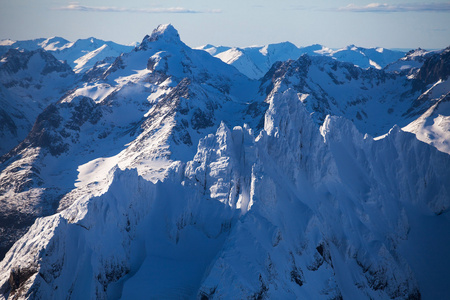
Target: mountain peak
{"points": [[351, 47], [165, 33], [283, 46]]}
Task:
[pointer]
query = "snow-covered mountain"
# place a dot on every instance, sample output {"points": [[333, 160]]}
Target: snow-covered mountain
{"points": [[114, 111], [377, 58], [433, 126], [81, 55], [49, 44], [255, 61], [29, 84], [84, 53], [167, 173]]}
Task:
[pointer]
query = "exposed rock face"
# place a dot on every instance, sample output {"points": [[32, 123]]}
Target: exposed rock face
{"points": [[435, 68], [51, 130], [29, 81], [15, 60]]}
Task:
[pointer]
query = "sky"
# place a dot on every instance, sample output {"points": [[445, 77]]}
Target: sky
{"points": [[332, 23]]}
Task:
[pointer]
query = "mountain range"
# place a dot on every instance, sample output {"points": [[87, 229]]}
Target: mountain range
{"points": [[256, 61], [275, 172]]}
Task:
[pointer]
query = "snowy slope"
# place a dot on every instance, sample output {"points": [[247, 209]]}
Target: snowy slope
{"points": [[166, 173], [433, 127], [84, 53], [88, 60], [410, 63], [213, 50]]}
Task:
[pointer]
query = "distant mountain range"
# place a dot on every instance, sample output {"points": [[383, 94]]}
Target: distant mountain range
{"points": [[165, 172], [81, 55], [256, 61]]}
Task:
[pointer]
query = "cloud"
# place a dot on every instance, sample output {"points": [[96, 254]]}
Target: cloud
{"points": [[388, 8], [165, 10]]}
